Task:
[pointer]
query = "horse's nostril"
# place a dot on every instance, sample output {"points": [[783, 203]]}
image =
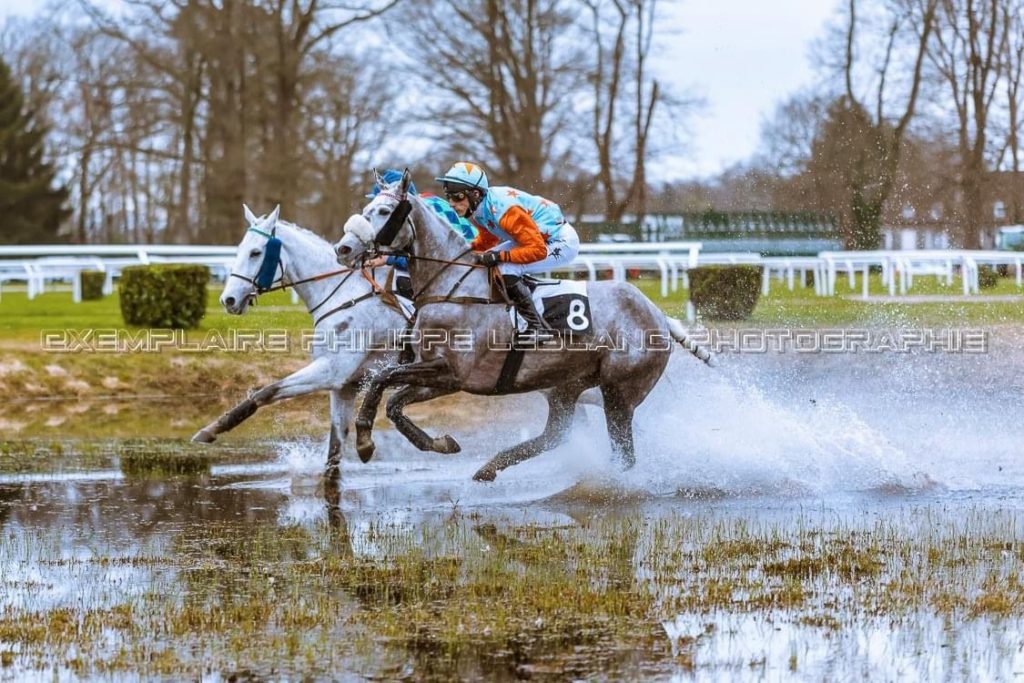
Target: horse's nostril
{"points": [[345, 250], [229, 301]]}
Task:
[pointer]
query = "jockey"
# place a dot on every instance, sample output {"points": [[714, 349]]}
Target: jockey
{"points": [[439, 205], [519, 233]]}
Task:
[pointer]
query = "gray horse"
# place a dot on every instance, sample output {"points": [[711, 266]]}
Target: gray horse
{"points": [[452, 294]]}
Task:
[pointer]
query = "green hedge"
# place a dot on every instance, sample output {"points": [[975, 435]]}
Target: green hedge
{"points": [[164, 296], [92, 284], [725, 292]]}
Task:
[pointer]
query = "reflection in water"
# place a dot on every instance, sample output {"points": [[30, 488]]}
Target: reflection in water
{"points": [[922, 648], [403, 569]]}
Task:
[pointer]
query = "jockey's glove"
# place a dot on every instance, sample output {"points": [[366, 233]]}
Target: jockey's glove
{"points": [[488, 258]]}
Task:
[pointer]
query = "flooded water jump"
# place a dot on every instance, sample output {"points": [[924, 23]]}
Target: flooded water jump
{"points": [[675, 352]]}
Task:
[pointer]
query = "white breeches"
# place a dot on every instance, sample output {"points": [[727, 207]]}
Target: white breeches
{"points": [[562, 250]]}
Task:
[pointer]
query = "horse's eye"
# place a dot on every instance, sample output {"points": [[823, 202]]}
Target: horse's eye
{"points": [[254, 253], [383, 211]]}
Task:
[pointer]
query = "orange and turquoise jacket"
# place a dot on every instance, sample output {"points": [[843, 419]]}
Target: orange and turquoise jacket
{"points": [[510, 215]]}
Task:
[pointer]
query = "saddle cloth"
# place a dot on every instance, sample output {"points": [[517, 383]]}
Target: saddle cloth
{"points": [[564, 304]]}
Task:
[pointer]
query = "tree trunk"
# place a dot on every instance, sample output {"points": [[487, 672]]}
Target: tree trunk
{"points": [[84, 195], [974, 207]]}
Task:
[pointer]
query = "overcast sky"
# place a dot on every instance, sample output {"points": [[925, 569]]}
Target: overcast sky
{"points": [[742, 56]]}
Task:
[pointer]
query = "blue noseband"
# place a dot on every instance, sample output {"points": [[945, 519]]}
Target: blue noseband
{"points": [[271, 261]]}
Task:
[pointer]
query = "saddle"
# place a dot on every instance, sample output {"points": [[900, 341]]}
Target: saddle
{"points": [[533, 282]]}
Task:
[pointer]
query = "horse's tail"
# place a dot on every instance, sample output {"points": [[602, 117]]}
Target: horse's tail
{"points": [[678, 332]]}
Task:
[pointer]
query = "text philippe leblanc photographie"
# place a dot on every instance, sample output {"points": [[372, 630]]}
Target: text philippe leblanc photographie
{"points": [[726, 341]]}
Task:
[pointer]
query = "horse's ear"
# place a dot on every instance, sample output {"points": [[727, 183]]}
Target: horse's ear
{"points": [[406, 180], [272, 218], [249, 215], [378, 180]]}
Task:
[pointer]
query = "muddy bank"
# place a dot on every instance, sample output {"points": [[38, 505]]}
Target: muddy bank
{"points": [[169, 395]]}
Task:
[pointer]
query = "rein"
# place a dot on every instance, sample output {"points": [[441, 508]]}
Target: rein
{"points": [[375, 290], [419, 300], [286, 285], [386, 235]]}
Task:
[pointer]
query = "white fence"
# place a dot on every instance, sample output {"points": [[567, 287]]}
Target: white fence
{"points": [[38, 266], [899, 268]]}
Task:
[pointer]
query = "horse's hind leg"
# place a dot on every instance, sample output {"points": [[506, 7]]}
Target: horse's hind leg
{"points": [[416, 436], [561, 407], [624, 386], [313, 377], [618, 413]]}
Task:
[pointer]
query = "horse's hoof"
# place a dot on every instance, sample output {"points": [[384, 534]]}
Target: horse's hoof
{"points": [[203, 436], [365, 451], [485, 473], [446, 444]]}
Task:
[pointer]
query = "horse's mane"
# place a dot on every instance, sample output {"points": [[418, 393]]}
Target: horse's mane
{"points": [[451, 235], [304, 231]]}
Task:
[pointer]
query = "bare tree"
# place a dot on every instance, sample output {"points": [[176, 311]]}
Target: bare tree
{"points": [[859, 147], [230, 79], [1013, 58], [348, 113], [971, 37], [787, 136], [298, 29], [503, 74], [626, 100]]}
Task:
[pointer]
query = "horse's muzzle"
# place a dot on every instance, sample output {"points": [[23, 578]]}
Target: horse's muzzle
{"points": [[234, 306]]}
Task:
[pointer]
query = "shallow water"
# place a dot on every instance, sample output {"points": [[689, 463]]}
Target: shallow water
{"points": [[914, 444]]}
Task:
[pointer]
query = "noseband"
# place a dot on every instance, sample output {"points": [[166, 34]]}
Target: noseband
{"points": [[266, 276]]}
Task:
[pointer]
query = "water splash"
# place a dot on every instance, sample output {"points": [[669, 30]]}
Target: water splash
{"points": [[725, 433]]}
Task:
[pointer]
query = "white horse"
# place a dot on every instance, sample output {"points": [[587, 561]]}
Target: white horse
{"points": [[345, 307]]}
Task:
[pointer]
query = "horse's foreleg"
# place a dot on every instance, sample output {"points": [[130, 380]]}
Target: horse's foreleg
{"points": [[313, 377], [416, 436], [342, 406], [561, 406], [425, 373]]}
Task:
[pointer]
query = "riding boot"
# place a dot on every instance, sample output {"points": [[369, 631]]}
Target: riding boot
{"points": [[520, 296]]}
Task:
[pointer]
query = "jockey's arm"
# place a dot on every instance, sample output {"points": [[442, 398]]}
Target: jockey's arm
{"points": [[484, 240], [530, 245]]}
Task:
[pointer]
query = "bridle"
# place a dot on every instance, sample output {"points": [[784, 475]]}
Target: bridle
{"points": [[386, 235], [270, 269]]}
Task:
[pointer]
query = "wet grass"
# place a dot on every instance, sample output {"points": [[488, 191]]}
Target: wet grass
{"points": [[156, 460], [133, 456], [466, 597]]}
